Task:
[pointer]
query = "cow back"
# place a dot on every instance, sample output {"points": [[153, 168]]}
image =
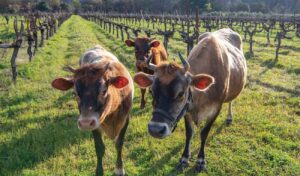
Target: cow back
{"points": [[220, 55]]}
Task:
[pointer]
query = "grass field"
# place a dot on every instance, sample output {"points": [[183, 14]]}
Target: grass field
{"points": [[39, 134]]}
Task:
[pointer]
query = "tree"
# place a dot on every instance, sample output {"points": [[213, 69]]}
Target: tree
{"points": [[241, 6], [43, 6], [76, 4], [65, 7], [54, 4], [258, 7], [3, 5], [208, 7]]}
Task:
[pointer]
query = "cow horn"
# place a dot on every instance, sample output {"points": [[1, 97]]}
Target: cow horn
{"points": [[185, 64], [151, 39], [69, 69], [149, 64]]}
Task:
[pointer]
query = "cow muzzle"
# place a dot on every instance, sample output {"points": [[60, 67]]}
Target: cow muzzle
{"points": [[159, 130], [88, 123]]}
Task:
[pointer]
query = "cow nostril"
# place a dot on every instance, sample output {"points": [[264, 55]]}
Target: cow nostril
{"points": [[163, 130], [92, 123]]}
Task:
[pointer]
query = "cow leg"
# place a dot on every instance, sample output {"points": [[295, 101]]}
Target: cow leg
{"points": [[184, 161], [143, 102], [119, 144], [229, 115], [100, 150], [200, 163]]}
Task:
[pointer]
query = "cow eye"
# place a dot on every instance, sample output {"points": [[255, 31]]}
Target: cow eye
{"points": [[103, 91], [180, 95]]}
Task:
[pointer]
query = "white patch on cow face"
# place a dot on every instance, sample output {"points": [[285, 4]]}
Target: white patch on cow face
{"points": [[88, 123]]}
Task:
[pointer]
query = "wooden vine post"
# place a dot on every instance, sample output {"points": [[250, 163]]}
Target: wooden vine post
{"points": [[281, 35], [166, 33], [16, 46], [251, 30], [189, 40]]}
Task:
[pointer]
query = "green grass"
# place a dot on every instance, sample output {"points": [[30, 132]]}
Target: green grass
{"points": [[39, 135]]}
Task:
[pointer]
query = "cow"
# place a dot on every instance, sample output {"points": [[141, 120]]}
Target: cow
{"points": [[147, 48], [104, 92], [215, 73]]}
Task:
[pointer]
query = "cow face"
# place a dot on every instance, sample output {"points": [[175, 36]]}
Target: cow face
{"points": [[91, 87], [170, 91], [142, 47]]}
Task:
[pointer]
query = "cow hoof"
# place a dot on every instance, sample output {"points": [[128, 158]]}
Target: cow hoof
{"points": [[200, 166], [183, 163], [228, 121], [119, 172]]}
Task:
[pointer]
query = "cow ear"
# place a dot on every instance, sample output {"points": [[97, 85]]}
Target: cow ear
{"points": [[119, 82], [62, 83], [143, 80], [202, 82], [155, 43], [129, 43]]}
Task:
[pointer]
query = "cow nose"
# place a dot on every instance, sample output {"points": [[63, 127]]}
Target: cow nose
{"points": [[158, 130], [87, 124]]}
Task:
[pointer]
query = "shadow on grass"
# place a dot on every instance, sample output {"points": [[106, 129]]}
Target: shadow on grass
{"points": [[248, 55], [29, 96], [159, 164], [293, 48], [63, 99], [11, 106], [294, 70], [218, 131], [8, 37], [274, 87], [38, 145], [269, 64]]}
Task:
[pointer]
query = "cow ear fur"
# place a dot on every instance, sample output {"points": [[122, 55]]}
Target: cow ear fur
{"points": [[143, 80], [155, 43], [202, 82], [129, 43], [62, 83], [119, 82]]}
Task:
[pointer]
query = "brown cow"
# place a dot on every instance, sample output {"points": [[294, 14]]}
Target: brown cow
{"points": [[144, 48], [214, 74], [104, 92]]}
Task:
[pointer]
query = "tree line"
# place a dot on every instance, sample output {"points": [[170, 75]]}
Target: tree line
{"points": [[148, 6]]}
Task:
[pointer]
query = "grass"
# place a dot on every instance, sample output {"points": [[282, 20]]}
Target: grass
{"points": [[39, 135]]}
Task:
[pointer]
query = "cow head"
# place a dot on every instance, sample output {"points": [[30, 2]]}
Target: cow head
{"points": [[142, 46], [170, 88], [92, 85]]}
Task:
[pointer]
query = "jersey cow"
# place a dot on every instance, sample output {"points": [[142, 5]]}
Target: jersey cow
{"points": [[215, 73], [104, 92], [147, 48]]}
